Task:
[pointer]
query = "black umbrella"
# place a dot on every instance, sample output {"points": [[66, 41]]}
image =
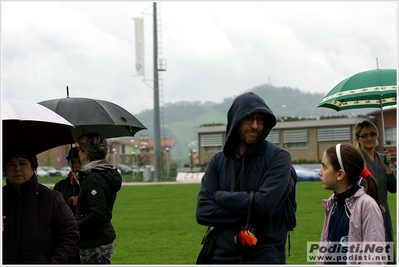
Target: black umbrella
{"points": [[93, 115]]}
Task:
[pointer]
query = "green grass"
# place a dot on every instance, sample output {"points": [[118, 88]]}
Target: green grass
{"points": [[156, 224]]}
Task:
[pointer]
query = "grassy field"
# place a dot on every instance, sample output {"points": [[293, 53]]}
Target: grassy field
{"points": [[156, 224]]}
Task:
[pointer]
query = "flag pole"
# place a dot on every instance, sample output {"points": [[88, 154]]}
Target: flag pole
{"points": [[157, 130]]}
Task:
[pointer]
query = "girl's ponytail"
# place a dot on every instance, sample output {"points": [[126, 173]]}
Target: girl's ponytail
{"points": [[372, 187]]}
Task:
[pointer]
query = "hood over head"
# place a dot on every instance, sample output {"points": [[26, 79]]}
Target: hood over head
{"points": [[242, 106]]}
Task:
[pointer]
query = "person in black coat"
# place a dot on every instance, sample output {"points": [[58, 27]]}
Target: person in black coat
{"points": [[99, 184], [38, 226], [69, 186]]}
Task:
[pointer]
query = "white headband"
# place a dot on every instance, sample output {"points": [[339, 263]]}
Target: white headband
{"points": [[338, 150]]}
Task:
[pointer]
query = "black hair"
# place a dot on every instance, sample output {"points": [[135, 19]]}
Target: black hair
{"points": [[20, 150]]}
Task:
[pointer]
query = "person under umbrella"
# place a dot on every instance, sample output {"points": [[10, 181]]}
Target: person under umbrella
{"points": [[366, 136], [38, 226], [69, 187], [99, 184]]}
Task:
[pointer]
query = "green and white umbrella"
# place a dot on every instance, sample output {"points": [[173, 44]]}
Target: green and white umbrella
{"points": [[368, 89]]}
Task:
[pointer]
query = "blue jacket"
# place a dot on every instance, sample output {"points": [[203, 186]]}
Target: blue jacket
{"points": [[220, 206], [39, 228]]}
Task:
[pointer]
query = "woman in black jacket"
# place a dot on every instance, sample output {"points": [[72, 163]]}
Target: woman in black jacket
{"points": [[99, 183]]}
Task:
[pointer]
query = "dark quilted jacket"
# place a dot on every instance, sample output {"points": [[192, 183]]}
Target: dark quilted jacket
{"points": [[97, 195], [39, 228]]}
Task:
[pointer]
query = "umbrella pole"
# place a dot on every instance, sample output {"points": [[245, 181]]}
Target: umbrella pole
{"points": [[73, 160], [383, 135], [382, 123]]}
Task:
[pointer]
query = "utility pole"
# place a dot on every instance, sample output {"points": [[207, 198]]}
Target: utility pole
{"points": [[157, 130]]}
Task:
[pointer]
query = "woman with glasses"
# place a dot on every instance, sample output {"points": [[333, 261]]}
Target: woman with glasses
{"points": [[366, 135]]}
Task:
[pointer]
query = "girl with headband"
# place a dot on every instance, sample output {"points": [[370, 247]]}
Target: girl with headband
{"points": [[352, 213]]}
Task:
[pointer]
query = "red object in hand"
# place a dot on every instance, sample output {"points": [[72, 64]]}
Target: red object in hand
{"points": [[71, 176], [246, 237]]}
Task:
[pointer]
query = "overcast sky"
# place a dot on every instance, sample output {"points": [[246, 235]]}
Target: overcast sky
{"points": [[213, 49]]}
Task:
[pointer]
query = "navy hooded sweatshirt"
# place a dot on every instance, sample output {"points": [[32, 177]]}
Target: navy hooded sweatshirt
{"points": [[220, 205]]}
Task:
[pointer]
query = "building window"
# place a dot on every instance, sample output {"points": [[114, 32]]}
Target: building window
{"points": [[333, 134], [274, 137], [390, 136], [212, 143], [296, 139], [211, 140], [295, 136]]}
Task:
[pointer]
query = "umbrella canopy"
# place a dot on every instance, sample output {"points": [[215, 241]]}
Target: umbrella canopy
{"points": [[30, 122], [368, 89], [92, 115]]}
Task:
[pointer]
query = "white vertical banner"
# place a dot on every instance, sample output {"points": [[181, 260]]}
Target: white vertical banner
{"points": [[139, 46]]}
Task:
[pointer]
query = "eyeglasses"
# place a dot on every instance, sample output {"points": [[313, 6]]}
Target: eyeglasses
{"points": [[260, 120], [365, 136]]}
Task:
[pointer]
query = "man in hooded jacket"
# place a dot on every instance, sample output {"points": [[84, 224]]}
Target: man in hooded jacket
{"points": [[224, 194]]}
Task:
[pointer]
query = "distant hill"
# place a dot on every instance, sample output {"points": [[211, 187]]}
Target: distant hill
{"points": [[179, 119]]}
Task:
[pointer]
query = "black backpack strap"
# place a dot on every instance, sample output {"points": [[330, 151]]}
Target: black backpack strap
{"points": [[270, 147]]}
